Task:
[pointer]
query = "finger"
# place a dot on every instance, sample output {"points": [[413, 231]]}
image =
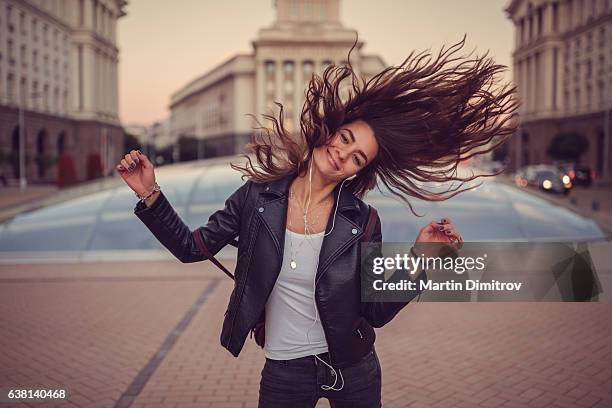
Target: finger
{"points": [[134, 156], [145, 160], [126, 165], [131, 164]]}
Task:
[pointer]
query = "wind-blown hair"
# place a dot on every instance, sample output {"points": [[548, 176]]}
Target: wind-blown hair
{"points": [[427, 116]]}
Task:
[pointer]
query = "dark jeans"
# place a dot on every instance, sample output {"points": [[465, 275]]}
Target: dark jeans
{"points": [[297, 383]]}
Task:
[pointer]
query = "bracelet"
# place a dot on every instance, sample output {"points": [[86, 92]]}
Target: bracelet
{"points": [[155, 188]]}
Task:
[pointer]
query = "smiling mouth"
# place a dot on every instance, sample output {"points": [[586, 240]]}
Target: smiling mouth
{"points": [[332, 161]]}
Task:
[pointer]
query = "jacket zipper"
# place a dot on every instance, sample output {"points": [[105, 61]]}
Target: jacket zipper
{"points": [[331, 359], [238, 298]]}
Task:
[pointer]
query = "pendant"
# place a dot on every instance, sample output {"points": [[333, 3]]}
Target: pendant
{"points": [[293, 264]]}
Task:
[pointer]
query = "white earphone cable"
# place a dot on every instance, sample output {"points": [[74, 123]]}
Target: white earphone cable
{"points": [[323, 386]]}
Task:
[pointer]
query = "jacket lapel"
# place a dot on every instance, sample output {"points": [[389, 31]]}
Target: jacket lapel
{"points": [[273, 212]]}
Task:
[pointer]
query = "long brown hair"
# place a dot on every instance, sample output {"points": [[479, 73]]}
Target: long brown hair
{"points": [[426, 116]]}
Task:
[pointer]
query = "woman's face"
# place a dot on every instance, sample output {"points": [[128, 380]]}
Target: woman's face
{"points": [[351, 149]]}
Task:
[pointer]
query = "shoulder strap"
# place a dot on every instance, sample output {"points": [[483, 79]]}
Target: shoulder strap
{"points": [[369, 229], [200, 242]]}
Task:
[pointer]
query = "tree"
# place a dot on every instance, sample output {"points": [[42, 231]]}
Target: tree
{"points": [[94, 166], [500, 153], [567, 146], [188, 148], [66, 172], [130, 142]]}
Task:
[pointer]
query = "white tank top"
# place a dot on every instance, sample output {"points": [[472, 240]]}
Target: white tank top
{"points": [[291, 330]]}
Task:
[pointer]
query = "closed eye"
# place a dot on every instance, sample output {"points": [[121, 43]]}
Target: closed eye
{"points": [[361, 153]]}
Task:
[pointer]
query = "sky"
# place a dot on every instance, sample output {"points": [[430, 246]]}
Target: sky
{"points": [[165, 44]]}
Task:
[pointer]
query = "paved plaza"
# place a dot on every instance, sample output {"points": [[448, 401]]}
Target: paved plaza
{"points": [[147, 335]]}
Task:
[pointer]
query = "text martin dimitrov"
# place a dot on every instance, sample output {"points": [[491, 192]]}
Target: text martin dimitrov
{"points": [[470, 284]]}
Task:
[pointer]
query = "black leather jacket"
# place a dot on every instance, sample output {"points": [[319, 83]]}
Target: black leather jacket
{"points": [[256, 213]]}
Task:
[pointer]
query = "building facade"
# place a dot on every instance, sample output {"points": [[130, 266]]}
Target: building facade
{"points": [[305, 38], [563, 71], [59, 84]]}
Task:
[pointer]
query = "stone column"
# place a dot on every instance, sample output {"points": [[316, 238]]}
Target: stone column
{"points": [[298, 91], [278, 76], [259, 86], [89, 79], [549, 19], [547, 78]]}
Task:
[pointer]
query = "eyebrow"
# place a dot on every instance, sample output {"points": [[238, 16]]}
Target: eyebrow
{"points": [[353, 137]]}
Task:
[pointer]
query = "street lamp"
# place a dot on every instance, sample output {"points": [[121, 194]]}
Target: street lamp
{"points": [[23, 182], [606, 146]]}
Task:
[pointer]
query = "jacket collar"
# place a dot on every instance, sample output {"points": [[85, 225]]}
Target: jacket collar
{"points": [[347, 202], [343, 230]]}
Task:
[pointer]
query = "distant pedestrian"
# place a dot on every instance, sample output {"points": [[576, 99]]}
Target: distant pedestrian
{"points": [[300, 215]]}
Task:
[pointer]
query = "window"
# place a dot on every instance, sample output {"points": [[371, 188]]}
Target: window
{"points": [[23, 92], [22, 55], [589, 69], [10, 88], [46, 97], [35, 94], [35, 29], [540, 15], [288, 68], [589, 41], [269, 65], [56, 101], [11, 56], [307, 69], [9, 18], [22, 22], [577, 101], [35, 60], [589, 93]]}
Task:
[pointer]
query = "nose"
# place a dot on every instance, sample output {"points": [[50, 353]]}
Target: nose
{"points": [[342, 154]]}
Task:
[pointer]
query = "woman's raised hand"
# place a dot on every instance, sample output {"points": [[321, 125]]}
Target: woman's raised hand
{"points": [[137, 171], [438, 232]]}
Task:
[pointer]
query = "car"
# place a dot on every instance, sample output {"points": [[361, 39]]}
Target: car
{"points": [[580, 175], [545, 177]]}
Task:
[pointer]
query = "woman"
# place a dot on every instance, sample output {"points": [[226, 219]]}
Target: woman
{"points": [[412, 122]]}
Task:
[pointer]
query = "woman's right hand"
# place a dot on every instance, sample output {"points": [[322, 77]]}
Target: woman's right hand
{"points": [[141, 175]]}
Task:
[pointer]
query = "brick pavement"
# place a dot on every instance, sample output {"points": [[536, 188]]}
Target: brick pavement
{"points": [[94, 327]]}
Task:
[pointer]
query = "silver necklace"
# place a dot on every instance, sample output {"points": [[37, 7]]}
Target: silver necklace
{"points": [[293, 262]]}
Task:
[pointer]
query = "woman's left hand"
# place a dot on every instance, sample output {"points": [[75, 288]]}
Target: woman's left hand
{"points": [[442, 232]]}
